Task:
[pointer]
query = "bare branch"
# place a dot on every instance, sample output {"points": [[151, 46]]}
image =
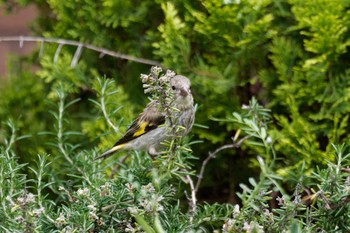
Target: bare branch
{"points": [[213, 155], [192, 199], [61, 42]]}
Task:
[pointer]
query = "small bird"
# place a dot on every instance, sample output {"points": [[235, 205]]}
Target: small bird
{"points": [[150, 129]]}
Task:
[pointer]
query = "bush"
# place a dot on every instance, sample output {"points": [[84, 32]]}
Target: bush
{"points": [[290, 56], [146, 195]]}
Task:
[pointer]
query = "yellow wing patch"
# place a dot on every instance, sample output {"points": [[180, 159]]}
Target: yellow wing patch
{"points": [[141, 130]]}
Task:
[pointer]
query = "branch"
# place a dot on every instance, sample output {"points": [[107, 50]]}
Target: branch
{"points": [[104, 111], [213, 155], [192, 199], [61, 42], [60, 139], [8, 143]]}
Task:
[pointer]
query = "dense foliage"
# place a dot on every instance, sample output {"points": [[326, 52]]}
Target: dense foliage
{"points": [[291, 55]]}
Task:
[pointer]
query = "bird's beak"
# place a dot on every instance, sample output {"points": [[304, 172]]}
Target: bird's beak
{"points": [[184, 92]]}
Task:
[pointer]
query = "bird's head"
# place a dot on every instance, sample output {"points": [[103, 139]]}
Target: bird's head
{"points": [[181, 87]]}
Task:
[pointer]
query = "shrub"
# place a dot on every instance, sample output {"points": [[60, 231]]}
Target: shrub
{"points": [[290, 55]]}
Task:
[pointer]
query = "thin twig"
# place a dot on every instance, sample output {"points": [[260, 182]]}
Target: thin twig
{"points": [[102, 51], [12, 138], [213, 155], [39, 189], [103, 106], [192, 199], [120, 162], [60, 130]]}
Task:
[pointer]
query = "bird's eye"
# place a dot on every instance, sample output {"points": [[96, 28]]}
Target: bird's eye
{"points": [[173, 87]]}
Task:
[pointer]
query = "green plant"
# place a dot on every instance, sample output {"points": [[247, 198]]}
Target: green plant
{"points": [[290, 55]]}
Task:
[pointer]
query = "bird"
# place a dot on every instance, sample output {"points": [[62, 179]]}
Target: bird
{"points": [[150, 129]]}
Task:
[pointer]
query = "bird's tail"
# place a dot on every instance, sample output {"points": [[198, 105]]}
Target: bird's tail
{"points": [[109, 152]]}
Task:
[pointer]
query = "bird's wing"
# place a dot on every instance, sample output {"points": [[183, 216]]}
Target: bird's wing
{"points": [[148, 120]]}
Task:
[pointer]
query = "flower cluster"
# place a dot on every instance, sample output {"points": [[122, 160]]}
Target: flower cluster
{"points": [[85, 198], [148, 199], [24, 205], [230, 223], [155, 84], [61, 220], [106, 189]]}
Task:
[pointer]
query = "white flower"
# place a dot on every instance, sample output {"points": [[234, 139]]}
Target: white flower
{"points": [[156, 70], [146, 204], [93, 215], [146, 78], [21, 201], [92, 208], [166, 78], [83, 192], [13, 205], [67, 229], [249, 227], [236, 211], [105, 189], [147, 189], [19, 219], [227, 225], [132, 210], [152, 204], [60, 220], [129, 228], [280, 201], [30, 198], [37, 212]]}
